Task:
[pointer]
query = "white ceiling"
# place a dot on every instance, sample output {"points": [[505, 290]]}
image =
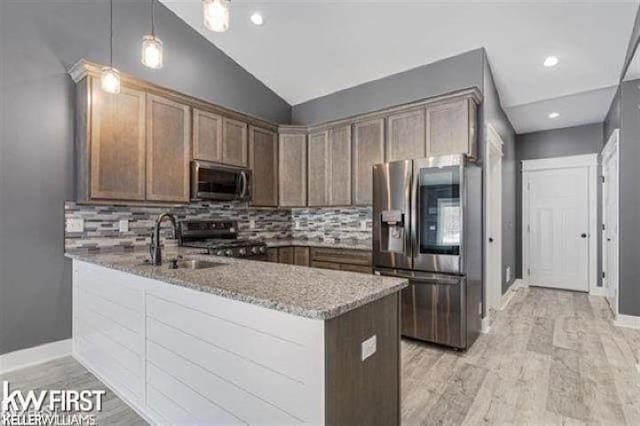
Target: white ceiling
{"points": [[310, 48]]}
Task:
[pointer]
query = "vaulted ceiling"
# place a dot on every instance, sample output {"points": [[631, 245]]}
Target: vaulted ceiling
{"points": [[310, 48]]}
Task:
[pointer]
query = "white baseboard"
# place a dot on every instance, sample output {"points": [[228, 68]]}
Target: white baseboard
{"points": [[485, 327], [33, 356], [628, 321], [597, 291]]}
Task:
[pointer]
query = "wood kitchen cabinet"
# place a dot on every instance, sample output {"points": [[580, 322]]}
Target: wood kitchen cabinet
{"points": [[301, 256], [340, 166], [286, 255], [263, 161], [451, 128], [115, 146], [207, 136], [368, 149], [292, 169], [405, 136], [319, 169], [234, 142], [329, 181], [168, 150]]}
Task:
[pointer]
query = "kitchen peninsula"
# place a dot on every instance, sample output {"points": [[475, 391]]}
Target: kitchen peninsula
{"points": [[239, 341]]}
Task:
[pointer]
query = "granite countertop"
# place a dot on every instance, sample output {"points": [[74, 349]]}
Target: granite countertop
{"points": [[354, 245], [307, 292]]}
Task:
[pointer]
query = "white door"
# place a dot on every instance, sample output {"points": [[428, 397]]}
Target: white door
{"points": [[559, 228], [494, 229], [610, 221]]}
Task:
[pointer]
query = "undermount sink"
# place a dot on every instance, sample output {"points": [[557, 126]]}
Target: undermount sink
{"points": [[193, 264]]}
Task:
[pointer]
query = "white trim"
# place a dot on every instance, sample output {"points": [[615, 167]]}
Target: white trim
{"points": [[485, 327], [493, 138], [597, 291], [504, 302], [587, 160], [33, 356], [628, 321]]}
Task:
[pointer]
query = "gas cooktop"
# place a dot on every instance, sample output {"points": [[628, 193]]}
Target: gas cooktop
{"points": [[219, 238]]}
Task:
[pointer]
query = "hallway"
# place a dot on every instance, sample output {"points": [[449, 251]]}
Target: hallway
{"points": [[551, 357]]}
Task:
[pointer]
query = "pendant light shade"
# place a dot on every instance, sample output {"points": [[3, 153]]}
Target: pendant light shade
{"points": [[216, 15], [110, 78], [152, 46]]}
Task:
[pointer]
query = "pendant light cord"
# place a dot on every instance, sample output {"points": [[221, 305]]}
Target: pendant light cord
{"points": [[153, 26], [111, 33]]}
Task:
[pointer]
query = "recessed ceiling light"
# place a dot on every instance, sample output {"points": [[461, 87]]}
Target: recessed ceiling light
{"points": [[256, 18], [551, 61], [554, 115]]}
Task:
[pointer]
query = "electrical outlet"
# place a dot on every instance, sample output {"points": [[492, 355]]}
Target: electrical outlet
{"points": [[508, 274], [297, 224], [369, 347], [123, 225], [363, 225], [252, 224], [75, 225]]}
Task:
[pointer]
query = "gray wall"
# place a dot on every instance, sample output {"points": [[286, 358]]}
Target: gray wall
{"points": [[457, 72], [40, 39], [492, 113], [629, 199], [586, 139]]}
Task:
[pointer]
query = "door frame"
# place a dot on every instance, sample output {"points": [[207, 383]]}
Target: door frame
{"points": [[612, 148], [493, 146], [588, 161]]}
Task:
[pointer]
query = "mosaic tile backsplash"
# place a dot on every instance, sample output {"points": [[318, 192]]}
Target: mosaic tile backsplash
{"points": [[102, 223]]}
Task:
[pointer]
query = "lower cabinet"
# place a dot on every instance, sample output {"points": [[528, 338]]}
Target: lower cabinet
{"points": [[324, 258]]}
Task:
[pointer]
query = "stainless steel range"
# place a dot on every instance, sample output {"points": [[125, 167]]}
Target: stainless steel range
{"points": [[219, 238]]}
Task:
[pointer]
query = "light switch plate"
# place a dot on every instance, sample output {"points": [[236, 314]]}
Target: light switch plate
{"points": [[363, 225], [369, 347], [75, 225], [252, 224], [297, 224], [124, 225]]}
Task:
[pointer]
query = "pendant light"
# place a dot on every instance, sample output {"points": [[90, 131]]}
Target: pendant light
{"points": [[110, 79], [152, 46], [216, 14]]}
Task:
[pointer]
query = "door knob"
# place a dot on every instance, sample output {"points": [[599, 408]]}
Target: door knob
{"points": [[490, 239], [583, 235]]}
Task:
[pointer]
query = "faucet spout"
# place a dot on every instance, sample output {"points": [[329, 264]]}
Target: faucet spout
{"points": [[156, 251]]}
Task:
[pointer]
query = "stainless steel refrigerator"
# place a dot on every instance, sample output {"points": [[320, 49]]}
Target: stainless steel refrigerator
{"points": [[427, 227]]}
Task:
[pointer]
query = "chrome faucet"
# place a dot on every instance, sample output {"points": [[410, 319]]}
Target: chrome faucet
{"points": [[154, 249]]}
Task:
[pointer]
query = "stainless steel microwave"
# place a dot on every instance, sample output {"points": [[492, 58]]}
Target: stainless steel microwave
{"points": [[211, 181]]}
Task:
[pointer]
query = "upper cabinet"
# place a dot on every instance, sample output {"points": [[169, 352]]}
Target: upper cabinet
{"points": [[292, 170], [405, 135], [340, 166], [319, 179], [263, 161], [368, 149], [234, 142], [451, 128], [168, 153], [115, 147], [207, 136]]}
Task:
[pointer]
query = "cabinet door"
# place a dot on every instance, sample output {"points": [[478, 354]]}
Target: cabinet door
{"points": [[117, 144], [340, 166], [286, 255], [207, 136], [234, 142], [448, 128], [263, 161], [405, 136], [272, 254], [292, 170], [301, 256], [319, 169], [368, 149], [168, 150]]}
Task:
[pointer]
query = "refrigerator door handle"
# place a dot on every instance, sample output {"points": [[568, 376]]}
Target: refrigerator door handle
{"points": [[414, 209]]}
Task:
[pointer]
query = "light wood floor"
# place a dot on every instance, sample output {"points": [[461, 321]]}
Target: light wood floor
{"points": [[552, 357]]}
